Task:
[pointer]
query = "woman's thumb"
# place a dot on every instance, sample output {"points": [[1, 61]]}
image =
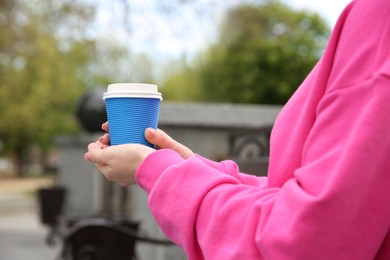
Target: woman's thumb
{"points": [[162, 140]]}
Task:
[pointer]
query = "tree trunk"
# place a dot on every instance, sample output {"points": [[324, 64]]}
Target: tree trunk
{"points": [[18, 162]]}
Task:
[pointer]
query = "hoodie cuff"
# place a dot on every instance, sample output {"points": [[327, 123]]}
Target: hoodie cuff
{"points": [[153, 166], [227, 166]]}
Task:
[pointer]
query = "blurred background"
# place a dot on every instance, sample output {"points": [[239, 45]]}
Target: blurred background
{"points": [[55, 54]]}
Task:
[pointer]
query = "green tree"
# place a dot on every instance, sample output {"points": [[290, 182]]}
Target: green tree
{"points": [[41, 72], [262, 54]]}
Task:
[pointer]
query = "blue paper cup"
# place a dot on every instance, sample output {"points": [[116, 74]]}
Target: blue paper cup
{"points": [[131, 108]]}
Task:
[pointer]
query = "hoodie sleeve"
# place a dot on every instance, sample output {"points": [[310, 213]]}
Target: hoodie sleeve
{"points": [[179, 190], [336, 201]]}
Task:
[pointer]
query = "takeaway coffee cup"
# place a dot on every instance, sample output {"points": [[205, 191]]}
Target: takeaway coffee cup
{"points": [[131, 108]]}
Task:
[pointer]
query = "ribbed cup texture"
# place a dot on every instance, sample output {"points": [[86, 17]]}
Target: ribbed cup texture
{"points": [[129, 117]]}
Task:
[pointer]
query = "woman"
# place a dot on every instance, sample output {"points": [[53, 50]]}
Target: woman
{"points": [[327, 191]]}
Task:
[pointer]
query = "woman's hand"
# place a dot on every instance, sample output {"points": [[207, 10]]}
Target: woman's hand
{"points": [[118, 163], [156, 137]]}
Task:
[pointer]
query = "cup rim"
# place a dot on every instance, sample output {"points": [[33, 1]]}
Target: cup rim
{"points": [[132, 90], [133, 95]]}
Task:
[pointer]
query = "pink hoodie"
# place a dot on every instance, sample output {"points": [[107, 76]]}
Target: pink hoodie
{"points": [[327, 195]]}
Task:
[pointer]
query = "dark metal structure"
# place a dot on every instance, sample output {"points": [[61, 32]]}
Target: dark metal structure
{"points": [[91, 110], [110, 235]]}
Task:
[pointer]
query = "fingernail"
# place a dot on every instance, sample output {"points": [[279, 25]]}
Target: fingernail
{"points": [[150, 133]]}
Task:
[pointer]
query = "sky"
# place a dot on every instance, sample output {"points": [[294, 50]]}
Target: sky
{"points": [[329, 9], [188, 31]]}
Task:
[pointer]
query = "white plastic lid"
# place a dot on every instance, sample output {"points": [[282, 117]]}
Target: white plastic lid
{"points": [[137, 90]]}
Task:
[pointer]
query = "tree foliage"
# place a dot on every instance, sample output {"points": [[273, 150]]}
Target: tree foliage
{"points": [[41, 73], [262, 54], [49, 57]]}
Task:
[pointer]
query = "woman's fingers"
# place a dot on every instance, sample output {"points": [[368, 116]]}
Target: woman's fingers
{"points": [[95, 154], [105, 140], [105, 126]]}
